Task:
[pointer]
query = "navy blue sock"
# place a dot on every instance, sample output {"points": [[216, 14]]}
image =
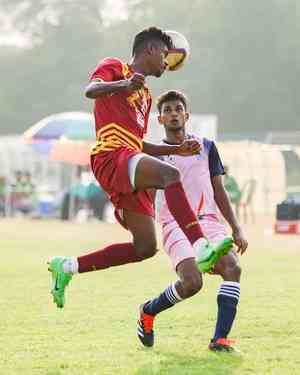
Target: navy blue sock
{"points": [[164, 301], [228, 298]]}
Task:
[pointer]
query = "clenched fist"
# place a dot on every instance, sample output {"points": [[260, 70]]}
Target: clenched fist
{"points": [[136, 81]]}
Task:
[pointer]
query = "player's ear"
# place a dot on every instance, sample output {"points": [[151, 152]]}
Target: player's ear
{"points": [[160, 119], [187, 116]]}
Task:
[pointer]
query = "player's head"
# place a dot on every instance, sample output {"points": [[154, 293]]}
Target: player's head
{"points": [[172, 109], [153, 45]]}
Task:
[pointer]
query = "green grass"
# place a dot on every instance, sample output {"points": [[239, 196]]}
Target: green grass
{"points": [[96, 332]]}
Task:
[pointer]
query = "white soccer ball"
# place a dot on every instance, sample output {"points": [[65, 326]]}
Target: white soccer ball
{"points": [[179, 54]]}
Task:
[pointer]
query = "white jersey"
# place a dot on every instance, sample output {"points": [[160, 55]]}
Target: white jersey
{"points": [[196, 172]]}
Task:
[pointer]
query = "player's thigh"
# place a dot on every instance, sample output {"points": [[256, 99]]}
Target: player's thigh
{"points": [[177, 246], [142, 229], [154, 173], [229, 266]]}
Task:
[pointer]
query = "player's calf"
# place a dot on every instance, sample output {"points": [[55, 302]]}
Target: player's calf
{"points": [[229, 267], [191, 286]]}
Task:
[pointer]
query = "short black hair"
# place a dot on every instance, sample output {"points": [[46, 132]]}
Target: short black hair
{"points": [[152, 33], [170, 96]]}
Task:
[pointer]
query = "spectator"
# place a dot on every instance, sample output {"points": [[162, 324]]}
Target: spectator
{"points": [[232, 189], [16, 191], [28, 186], [22, 193], [2, 195], [97, 199]]}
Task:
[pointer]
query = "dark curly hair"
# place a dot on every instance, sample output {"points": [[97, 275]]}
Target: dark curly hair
{"points": [[170, 96], [152, 33]]}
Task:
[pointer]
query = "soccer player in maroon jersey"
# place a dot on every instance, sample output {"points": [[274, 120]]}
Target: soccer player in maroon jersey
{"points": [[122, 163]]}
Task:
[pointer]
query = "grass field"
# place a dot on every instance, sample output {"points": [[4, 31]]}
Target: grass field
{"points": [[96, 332]]}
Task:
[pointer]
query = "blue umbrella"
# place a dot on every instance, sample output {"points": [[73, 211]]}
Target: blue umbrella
{"points": [[67, 125]]}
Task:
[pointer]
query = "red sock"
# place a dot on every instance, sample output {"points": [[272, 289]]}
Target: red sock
{"points": [[181, 210], [113, 255]]}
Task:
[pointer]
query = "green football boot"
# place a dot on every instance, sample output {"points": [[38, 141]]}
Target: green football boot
{"points": [[211, 254], [60, 280]]}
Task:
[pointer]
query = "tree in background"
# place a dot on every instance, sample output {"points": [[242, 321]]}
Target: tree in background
{"points": [[244, 64]]}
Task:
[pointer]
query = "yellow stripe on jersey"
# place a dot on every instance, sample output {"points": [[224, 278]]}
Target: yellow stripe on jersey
{"points": [[113, 136], [125, 70]]}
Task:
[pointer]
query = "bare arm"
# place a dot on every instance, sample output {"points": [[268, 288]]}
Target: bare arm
{"points": [[96, 89], [157, 150], [225, 207], [187, 148], [223, 202]]}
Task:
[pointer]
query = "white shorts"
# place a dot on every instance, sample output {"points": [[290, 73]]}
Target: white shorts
{"points": [[178, 247], [132, 164]]}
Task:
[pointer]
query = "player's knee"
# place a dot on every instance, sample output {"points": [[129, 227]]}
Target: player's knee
{"points": [[233, 272], [192, 284], [169, 175], [146, 250]]}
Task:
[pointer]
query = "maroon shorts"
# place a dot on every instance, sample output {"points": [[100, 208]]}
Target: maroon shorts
{"points": [[111, 171]]}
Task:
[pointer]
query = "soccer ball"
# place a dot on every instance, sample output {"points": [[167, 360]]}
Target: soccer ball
{"points": [[179, 54]]}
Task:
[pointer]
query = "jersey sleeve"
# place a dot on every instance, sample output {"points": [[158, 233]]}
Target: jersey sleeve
{"points": [[216, 167], [107, 70]]}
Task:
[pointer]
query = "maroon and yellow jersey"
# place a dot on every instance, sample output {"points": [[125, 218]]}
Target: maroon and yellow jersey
{"points": [[121, 118]]}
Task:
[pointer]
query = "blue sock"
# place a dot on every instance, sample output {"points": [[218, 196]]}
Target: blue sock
{"points": [[228, 298], [164, 301]]}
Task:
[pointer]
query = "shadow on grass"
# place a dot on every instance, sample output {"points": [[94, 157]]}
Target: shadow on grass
{"points": [[168, 363]]}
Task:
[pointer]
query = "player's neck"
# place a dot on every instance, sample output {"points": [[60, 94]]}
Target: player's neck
{"points": [[138, 65], [175, 138]]}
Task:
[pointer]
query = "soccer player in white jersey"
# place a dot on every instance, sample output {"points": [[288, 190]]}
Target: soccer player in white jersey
{"points": [[201, 177]]}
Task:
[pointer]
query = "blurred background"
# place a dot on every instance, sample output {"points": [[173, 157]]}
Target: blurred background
{"points": [[242, 80]]}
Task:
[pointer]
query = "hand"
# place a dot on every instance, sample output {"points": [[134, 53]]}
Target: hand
{"points": [[189, 147], [135, 82], [240, 240]]}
